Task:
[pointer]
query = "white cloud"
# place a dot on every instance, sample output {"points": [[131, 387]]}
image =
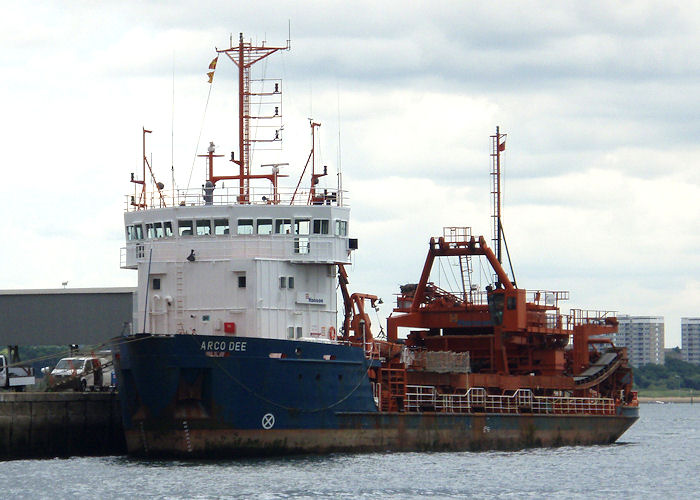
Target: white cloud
{"points": [[599, 103]]}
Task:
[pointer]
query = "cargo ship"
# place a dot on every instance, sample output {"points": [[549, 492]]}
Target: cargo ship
{"points": [[247, 339]]}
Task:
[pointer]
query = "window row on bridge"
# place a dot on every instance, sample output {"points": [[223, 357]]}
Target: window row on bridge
{"points": [[223, 227]]}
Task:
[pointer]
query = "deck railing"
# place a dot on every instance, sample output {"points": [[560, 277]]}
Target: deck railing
{"points": [[229, 196], [476, 400]]}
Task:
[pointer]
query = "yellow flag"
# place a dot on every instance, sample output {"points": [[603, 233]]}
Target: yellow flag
{"points": [[211, 76]]}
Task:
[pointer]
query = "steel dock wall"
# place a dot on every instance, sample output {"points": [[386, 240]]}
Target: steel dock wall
{"points": [[41, 424]]}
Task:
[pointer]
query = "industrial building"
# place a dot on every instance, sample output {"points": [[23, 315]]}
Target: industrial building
{"points": [[643, 336], [65, 316]]}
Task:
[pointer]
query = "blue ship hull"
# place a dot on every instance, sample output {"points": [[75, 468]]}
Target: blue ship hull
{"points": [[203, 396]]}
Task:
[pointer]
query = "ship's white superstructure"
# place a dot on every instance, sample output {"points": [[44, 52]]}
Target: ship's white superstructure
{"points": [[255, 270], [250, 261]]}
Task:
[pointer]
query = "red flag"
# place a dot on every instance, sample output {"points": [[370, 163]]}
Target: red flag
{"points": [[502, 146]]}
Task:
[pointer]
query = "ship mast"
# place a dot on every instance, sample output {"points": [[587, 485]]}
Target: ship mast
{"points": [[498, 145], [245, 55], [313, 198], [141, 202]]}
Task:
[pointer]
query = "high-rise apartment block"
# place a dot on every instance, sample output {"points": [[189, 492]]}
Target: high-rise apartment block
{"points": [[643, 336], [690, 340]]}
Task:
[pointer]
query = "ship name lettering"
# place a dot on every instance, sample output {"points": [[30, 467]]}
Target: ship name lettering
{"points": [[223, 345]]}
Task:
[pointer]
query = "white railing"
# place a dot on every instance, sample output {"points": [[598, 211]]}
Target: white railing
{"points": [[230, 195], [476, 400], [123, 257]]}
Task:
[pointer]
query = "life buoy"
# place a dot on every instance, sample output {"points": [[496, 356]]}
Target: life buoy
{"points": [[331, 333]]}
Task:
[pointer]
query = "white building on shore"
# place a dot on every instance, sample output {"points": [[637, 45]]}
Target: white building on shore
{"points": [[690, 340], [643, 336]]}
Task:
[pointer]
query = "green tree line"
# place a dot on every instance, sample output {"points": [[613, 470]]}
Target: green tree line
{"points": [[674, 374]]}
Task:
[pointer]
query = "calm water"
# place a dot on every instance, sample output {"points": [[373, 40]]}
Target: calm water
{"points": [[659, 457]]}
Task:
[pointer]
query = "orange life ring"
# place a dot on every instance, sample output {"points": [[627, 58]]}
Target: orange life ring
{"points": [[331, 333]]}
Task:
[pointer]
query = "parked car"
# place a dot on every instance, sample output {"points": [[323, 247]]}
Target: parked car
{"points": [[81, 374], [15, 376]]}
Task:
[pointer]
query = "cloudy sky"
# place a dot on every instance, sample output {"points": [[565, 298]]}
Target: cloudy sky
{"points": [[601, 105]]}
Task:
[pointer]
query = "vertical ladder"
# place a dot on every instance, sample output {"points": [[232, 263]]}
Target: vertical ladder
{"points": [[498, 145], [245, 154], [179, 298], [496, 191], [393, 387], [459, 237], [465, 265]]}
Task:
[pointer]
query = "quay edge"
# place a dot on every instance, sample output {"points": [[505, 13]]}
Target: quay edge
{"points": [[46, 425]]}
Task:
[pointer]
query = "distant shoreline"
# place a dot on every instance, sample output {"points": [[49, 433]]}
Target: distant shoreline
{"points": [[669, 399]]}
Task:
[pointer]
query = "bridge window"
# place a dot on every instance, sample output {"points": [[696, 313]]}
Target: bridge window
{"points": [[290, 282], [158, 229], [264, 226], [203, 227], [134, 232], [283, 226], [341, 228], [168, 229], [150, 233], [302, 226], [185, 227], [321, 226], [221, 227], [245, 226]]}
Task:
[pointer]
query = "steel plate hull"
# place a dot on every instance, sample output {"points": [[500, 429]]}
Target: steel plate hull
{"points": [[182, 396]]}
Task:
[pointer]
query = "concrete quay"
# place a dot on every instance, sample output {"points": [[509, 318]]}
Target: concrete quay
{"points": [[59, 424]]}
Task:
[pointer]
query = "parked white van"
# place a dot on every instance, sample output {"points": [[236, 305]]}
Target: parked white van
{"points": [[80, 374]]}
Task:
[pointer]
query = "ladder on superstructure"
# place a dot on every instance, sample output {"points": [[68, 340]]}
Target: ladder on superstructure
{"points": [[179, 298], [462, 235], [465, 267]]}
